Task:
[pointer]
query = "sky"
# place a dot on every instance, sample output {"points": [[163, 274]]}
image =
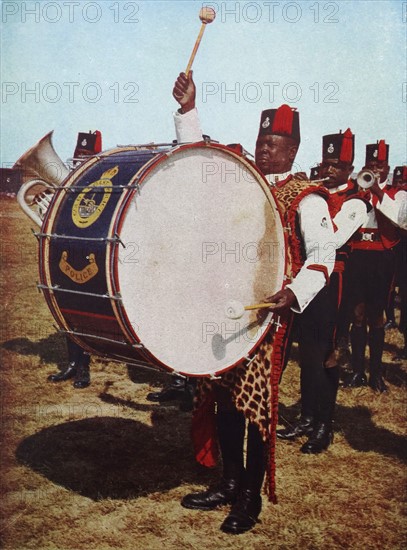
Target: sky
{"points": [[78, 65]]}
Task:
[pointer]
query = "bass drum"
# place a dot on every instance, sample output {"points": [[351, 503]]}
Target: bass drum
{"points": [[142, 249]]}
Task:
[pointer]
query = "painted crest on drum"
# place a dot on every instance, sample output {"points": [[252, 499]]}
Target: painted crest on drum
{"points": [[78, 276], [89, 204]]}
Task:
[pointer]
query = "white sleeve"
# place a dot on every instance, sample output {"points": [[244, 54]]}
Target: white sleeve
{"points": [[350, 217], [188, 127], [319, 244], [395, 209]]}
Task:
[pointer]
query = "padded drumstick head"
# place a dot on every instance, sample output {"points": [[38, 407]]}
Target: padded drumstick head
{"points": [[207, 15], [234, 309]]}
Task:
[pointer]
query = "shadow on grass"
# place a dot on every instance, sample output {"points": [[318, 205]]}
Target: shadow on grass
{"points": [[363, 435], [50, 350], [53, 350], [359, 430], [115, 458]]}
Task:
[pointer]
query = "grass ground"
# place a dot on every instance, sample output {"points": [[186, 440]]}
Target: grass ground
{"points": [[102, 468]]}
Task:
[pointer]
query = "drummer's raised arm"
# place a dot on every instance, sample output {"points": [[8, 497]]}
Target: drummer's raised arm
{"points": [[184, 92], [187, 124]]}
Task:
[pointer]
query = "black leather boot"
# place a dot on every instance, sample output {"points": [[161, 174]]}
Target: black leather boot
{"points": [[63, 375], [230, 427], [170, 392], [358, 337], [244, 513], [376, 345], [303, 426], [82, 378], [224, 493], [320, 439]]}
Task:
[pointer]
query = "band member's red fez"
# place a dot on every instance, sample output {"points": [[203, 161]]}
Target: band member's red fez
{"points": [[339, 146], [399, 176], [377, 152], [284, 121]]}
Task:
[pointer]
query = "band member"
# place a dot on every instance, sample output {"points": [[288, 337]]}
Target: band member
{"points": [[78, 367], [371, 268], [400, 181], [250, 391], [317, 325]]}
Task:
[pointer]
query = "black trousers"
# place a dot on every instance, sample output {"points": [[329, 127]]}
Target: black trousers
{"points": [[315, 329], [370, 274]]}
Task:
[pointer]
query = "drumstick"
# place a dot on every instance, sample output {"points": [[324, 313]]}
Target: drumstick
{"points": [[260, 306], [235, 309], [206, 15]]}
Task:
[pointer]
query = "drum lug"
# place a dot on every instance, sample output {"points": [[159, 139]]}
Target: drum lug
{"points": [[277, 322], [178, 374], [36, 234], [250, 361], [117, 239]]}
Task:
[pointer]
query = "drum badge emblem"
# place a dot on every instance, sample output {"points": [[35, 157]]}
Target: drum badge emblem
{"points": [[78, 276], [91, 202]]}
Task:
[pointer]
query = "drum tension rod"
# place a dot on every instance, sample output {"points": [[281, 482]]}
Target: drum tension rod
{"points": [[96, 337]]}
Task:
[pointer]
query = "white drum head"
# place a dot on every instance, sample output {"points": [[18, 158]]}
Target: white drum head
{"points": [[202, 231]]}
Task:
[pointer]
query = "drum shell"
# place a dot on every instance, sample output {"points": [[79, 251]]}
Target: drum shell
{"points": [[87, 302], [83, 308]]}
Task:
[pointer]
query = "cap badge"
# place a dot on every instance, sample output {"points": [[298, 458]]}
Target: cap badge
{"points": [[266, 122], [376, 151], [331, 148]]}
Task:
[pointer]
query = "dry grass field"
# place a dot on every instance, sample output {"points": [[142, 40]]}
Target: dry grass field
{"points": [[102, 468]]}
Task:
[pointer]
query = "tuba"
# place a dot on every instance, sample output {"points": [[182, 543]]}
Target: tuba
{"points": [[366, 178], [40, 167]]}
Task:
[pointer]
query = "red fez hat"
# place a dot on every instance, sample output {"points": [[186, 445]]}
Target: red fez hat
{"points": [[377, 152], [284, 121], [339, 146]]}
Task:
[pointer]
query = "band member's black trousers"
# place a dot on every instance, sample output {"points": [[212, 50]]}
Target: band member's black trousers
{"points": [[76, 355], [370, 274], [316, 335]]}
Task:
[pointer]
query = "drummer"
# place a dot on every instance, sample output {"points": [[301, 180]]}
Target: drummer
{"points": [[250, 392]]}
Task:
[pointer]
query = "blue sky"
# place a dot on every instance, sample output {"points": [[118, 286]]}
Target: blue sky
{"points": [[81, 65]]}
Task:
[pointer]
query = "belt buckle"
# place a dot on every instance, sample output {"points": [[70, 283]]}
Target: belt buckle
{"points": [[367, 237]]}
